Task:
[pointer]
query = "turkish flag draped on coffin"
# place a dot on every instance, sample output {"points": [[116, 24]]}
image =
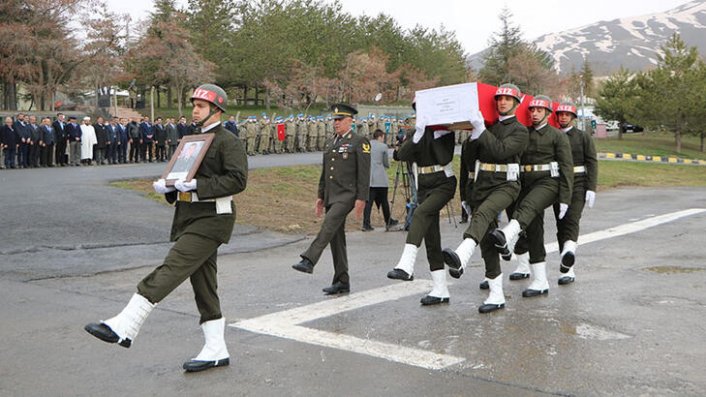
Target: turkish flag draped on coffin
{"points": [[486, 103]]}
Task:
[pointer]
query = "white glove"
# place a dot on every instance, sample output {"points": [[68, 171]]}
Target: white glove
{"points": [[160, 186], [478, 124], [183, 186], [419, 129], [466, 207], [590, 198], [562, 209]]}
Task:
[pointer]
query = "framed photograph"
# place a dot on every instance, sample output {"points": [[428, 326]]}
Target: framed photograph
{"points": [[187, 158]]}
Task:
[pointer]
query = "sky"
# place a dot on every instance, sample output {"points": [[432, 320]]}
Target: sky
{"points": [[475, 21]]}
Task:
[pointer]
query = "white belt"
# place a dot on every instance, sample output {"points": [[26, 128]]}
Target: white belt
{"points": [[579, 169], [222, 203]]}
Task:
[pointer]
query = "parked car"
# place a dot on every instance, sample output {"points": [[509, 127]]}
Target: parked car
{"points": [[629, 127]]}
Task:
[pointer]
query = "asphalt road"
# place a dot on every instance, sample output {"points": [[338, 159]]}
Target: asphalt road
{"points": [[73, 249]]}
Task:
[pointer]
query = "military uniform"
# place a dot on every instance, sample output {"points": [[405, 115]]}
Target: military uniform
{"points": [[291, 132], [539, 188], [345, 178], [252, 132], [203, 220], [265, 134], [432, 156], [197, 228]]}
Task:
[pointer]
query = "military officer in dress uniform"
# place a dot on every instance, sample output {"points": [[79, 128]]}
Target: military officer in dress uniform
{"points": [[491, 158], [343, 186], [583, 152], [547, 175], [203, 220], [431, 151]]}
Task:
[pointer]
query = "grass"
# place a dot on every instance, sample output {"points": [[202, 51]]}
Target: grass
{"points": [[654, 144], [282, 199]]}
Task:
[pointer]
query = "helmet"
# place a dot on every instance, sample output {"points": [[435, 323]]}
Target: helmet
{"points": [[567, 107], [509, 90], [211, 93], [541, 101]]}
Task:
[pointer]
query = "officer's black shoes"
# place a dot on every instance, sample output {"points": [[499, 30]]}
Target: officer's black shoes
{"points": [[451, 258], [197, 365], [455, 273], [519, 276], [484, 285], [490, 307], [434, 300], [529, 293], [304, 266], [498, 238], [566, 280], [392, 222], [367, 228], [337, 288], [104, 333], [399, 274], [567, 260]]}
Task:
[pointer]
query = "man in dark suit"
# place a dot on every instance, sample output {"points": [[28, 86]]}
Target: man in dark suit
{"points": [[46, 143], [60, 157], [344, 185], [99, 150], [23, 149], [123, 139], [182, 128], [135, 140], [147, 136], [10, 141], [33, 155], [232, 126], [160, 138], [113, 141], [73, 137], [172, 138]]}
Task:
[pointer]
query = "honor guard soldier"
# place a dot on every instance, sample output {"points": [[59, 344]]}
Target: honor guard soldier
{"points": [[583, 152], [203, 220], [291, 134], [493, 157], [431, 151], [251, 132], [263, 146], [547, 176], [343, 186]]}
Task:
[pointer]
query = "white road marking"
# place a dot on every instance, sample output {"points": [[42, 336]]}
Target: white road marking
{"points": [[287, 323]]}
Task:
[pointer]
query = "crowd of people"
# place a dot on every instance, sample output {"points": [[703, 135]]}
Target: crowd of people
{"points": [[30, 142]]}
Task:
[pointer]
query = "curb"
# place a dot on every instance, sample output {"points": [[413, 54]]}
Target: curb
{"points": [[653, 159]]}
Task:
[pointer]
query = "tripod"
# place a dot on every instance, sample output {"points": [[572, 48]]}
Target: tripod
{"points": [[403, 179]]}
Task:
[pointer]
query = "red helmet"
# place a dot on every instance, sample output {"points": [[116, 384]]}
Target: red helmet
{"points": [[567, 107], [508, 89], [211, 93], [541, 101]]}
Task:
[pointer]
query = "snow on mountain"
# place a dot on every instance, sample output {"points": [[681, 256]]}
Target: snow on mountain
{"points": [[633, 43]]}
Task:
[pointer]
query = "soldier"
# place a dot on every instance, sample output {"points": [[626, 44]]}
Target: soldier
{"points": [[491, 158], [363, 128], [311, 131], [301, 133], [320, 133], [546, 175], [203, 220], [490, 163], [431, 153], [343, 186], [265, 135], [583, 153], [251, 132], [291, 131]]}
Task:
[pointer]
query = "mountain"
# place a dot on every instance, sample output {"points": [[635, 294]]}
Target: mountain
{"points": [[633, 43]]}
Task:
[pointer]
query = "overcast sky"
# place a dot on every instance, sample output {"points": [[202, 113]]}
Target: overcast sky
{"points": [[474, 21]]}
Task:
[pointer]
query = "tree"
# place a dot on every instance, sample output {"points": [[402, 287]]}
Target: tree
{"points": [[617, 98], [669, 95], [503, 46]]}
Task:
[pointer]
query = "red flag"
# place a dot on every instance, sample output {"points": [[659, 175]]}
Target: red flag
{"points": [[281, 134]]}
